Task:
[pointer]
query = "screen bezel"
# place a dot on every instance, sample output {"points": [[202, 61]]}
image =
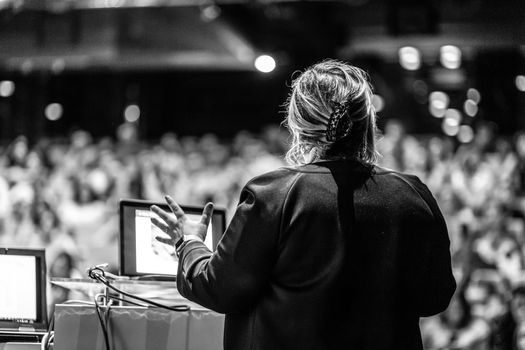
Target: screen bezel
{"points": [[124, 269], [41, 285]]}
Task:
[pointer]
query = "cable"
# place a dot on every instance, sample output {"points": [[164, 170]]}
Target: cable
{"points": [[127, 301], [101, 321], [98, 274]]}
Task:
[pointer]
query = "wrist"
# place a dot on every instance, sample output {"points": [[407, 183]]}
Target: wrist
{"points": [[186, 238]]}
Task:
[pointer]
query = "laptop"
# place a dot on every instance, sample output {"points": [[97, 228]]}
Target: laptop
{"points": [[23, 304], [141, 256]]}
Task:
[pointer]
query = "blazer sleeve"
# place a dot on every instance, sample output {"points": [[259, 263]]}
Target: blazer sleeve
{"points": [[232, 278], [438, 284]]}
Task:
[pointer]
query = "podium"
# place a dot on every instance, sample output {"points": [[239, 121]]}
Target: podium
{"points": [[77, 326]]}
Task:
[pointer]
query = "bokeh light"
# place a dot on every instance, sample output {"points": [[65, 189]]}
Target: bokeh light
{"points": [[265, 63], [450, 127], [450, 56], [465, 134], [409, 58], [7, 88], [520, 82], [474, 95], [132, 113], [453, 116], [470, 107], [53, 111], [439, 100], [436, 112]]}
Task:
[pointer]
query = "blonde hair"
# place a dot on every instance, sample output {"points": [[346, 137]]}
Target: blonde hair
{"points": [[317, 95]]}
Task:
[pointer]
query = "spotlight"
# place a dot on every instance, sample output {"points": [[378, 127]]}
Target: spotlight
{"points": [[53, 111], [409, 58], [450, 56], [132, 113], [378, 102], [265, 63], [7, 88], [520, 82]]}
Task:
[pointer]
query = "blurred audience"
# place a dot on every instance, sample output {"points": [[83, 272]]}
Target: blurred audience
{"points": [[63, 195]]}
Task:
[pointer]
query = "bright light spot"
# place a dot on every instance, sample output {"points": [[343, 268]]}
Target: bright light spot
{"points": [[378, 102], [450, 127], [7, 88], [520, 82], [210, 12], [27, 66], [470, 107], [439, 100], [265, 63], [465, 134], [450, 56], [58, 66], [436, 112], [474, 95], [453, 116], [132, 113], [409, 58], [53, 111]]}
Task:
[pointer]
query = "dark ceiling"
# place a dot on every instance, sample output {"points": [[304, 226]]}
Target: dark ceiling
{"points": [[190, 68]]}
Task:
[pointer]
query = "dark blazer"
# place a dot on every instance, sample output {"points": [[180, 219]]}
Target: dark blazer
{"points": [[330, 255]]}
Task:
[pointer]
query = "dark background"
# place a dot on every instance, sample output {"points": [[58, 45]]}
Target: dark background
{"points": [[191, 74]]}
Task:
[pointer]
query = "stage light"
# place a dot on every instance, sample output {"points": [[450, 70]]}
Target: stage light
{"points": [[474, 95], [465, 134], [439, 100], [450, 56], [409, 58], [378, 102], [520, 82], [7, 88], [132, 113], [453, 116], [470, 107], [265, 63], [450, 127], [54, 111]]}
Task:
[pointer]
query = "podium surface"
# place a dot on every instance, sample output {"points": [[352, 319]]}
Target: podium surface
{"points": [[77, 327]]}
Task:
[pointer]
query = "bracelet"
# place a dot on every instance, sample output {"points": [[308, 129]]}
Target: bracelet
{"points": [[179, 242]]}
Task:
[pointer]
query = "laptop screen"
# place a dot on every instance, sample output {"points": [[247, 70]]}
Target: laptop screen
{"points": [[23, 291], [140, 253]]}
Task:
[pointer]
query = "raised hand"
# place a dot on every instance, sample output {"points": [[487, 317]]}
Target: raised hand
{"points": [[180, 225]]}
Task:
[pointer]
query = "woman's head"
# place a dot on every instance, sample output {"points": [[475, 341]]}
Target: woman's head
{"points": [[330, 114]]}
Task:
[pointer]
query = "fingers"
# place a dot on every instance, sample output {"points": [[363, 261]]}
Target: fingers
{"points": [[170, 221], [175, 208], [206, 214], [162, 226], [168, 241]]}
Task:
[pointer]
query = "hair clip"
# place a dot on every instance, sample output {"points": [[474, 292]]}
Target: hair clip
{"points": [[338, 126]]}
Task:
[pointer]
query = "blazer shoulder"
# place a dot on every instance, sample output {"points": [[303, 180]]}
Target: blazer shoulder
{"points": [[272, 183]]}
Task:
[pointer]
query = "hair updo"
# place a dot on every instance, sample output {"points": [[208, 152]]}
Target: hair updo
{"points": [[330, 115]]}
